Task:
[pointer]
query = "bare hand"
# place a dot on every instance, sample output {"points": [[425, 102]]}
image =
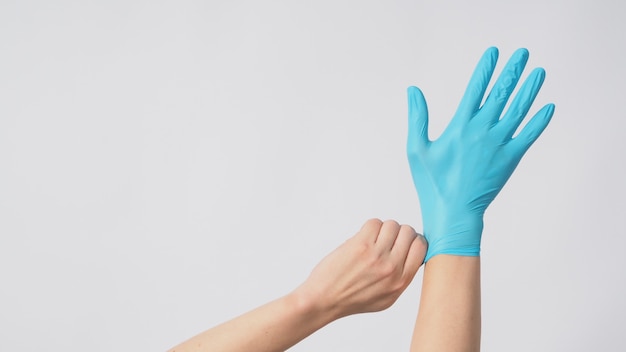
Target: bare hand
{"points": [[368, 272]]}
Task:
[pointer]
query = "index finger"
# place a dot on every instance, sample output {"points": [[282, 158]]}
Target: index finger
{"points": [[470, 103], [369, 231]]}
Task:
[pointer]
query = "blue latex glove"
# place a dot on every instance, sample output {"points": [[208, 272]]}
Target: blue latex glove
{"points": [[458, 175]]}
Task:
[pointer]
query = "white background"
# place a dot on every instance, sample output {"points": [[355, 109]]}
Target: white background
{"points": [[168, 165]]}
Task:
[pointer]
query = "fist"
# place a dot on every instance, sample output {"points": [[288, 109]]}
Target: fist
{"points": [[369, 271]]}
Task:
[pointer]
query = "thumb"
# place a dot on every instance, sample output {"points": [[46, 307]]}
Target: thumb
{"points": [[418, 118]]}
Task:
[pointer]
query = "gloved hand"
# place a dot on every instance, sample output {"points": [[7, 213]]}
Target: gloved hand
{"points": [[458, 175]]}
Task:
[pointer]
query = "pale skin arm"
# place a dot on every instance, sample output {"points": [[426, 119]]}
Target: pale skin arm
{"points": [[367, 273], [449, 312]]}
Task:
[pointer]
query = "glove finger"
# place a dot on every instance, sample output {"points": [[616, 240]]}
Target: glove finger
{"points": [[418, 119], [504, 86], [533, 129], [521, 103], [475, 91]]}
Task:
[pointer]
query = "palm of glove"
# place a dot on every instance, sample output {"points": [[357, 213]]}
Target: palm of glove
{"points": [[458, 175]]}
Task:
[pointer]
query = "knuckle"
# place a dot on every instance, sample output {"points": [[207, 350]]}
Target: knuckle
{"points": [[374, 259], [421, 241], [416, 155], [391, 222], [408, 230], [501, 95], [391, 225], [362, 247], [387, 268], [388, 302], [399, 286], [413, 151], [374, 222], [404, 282]]}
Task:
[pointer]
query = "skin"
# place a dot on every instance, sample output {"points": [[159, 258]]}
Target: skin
{"points": [[367, 273], [449, 313], [370, 270]]}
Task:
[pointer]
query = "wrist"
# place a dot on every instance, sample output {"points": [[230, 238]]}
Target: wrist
{"points": [[311, 306], [455, 233]]}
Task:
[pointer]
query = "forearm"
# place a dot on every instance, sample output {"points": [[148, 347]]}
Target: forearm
{"points": [[449, 312], [275, 326], [355, 278]]}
